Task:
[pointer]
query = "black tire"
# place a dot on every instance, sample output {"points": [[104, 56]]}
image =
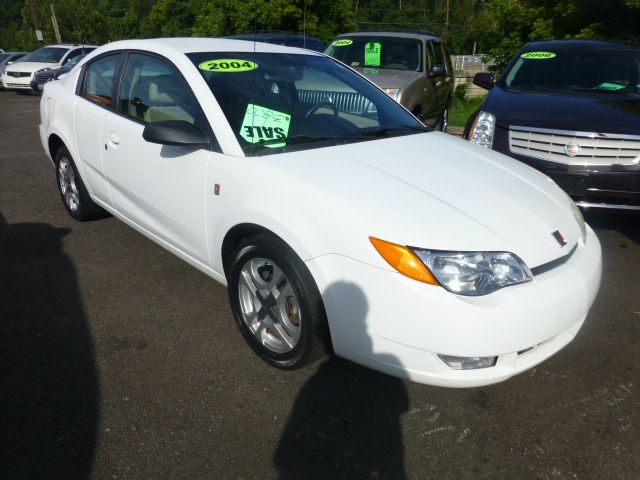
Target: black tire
{"points": [[72, 191], [443, 123], [313, 341]]}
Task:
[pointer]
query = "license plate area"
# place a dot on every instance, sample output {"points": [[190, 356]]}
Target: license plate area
{"points": [[572, 184]]}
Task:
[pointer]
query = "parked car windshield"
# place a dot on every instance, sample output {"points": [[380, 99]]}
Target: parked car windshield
{"points": [[4, 56], [597, 70], [378, 52], [46, 55], [279, 102]]}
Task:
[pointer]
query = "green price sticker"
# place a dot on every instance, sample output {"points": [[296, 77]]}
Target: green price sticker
{"points": [[342, 43], [612, 87], [227, 65], [372, 51], [538, 55], [262, 124]]}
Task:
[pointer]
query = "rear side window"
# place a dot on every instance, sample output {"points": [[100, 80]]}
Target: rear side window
{"points": [[153, 90], [99, 80]]}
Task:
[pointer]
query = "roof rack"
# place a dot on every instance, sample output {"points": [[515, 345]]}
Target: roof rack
{"points": [[401, 30]]}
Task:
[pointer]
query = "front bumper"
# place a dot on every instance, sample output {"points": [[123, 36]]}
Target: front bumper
{"points": [[17, 83], [598, 186], [391, 323]]}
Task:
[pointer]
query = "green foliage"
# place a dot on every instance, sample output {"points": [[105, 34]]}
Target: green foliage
{"points": [[500, 27], [460, 92]]}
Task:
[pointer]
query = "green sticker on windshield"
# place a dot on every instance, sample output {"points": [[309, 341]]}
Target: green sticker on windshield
{"points": [[372, 51], [262, 124], [227, 65], [538, 55], [610, 86], [342, 43]]}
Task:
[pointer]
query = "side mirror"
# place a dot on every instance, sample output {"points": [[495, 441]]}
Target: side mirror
{"points": [[437, 71], [11, 62], [175, 132], [484, 80]]}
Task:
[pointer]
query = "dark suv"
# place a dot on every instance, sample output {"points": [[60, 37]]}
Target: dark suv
{"points": [[570, 108], [413, 67]]}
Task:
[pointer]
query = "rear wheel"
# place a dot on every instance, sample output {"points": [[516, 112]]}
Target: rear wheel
{"points": [[72, 191], [276, 303]]}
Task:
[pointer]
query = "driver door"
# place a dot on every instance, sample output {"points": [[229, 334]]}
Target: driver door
{"points": [[159, 188]]}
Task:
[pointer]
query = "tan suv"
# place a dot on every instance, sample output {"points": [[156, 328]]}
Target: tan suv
{"points": [[413, 67]]}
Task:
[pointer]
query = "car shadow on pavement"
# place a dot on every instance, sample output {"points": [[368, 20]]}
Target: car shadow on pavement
{"points": [[49, 395], [628, 224], [345, 423]]}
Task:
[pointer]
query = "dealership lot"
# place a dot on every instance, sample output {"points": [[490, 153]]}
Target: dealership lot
{"points": [[117, 360]]}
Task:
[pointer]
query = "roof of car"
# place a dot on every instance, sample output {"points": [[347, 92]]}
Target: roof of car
{"points": [[417, 34], [579, 43], [196, 45]]}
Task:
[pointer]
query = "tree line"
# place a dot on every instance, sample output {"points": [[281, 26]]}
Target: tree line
{"points": [[497, 27]]}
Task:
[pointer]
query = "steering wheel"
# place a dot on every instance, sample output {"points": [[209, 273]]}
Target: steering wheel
{"points": [[318, 106]]}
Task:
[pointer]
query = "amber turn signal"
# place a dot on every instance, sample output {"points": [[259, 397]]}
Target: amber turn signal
{"points": [[403, 260]]}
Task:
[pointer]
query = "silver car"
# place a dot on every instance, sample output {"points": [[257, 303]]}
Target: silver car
{"points": [[412, 67]]}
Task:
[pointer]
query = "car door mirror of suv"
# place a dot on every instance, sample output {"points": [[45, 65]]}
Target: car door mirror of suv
{"points": [[177, 133], [484, 80], [437, 71]]}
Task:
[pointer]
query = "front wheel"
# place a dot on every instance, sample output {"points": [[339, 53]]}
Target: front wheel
{"points": [[276, 303], [443, 123]]}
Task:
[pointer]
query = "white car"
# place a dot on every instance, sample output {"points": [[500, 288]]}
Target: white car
{"points": [[18, 76], [6, 59], [337, 220]]}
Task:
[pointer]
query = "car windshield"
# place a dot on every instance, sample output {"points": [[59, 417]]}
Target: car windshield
{"points": [[4, 56], [46, 55], [597, 70], [378, 52], [277, 102]]}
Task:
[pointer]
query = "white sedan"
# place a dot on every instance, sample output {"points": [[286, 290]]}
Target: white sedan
{"points": [[337, 220]]}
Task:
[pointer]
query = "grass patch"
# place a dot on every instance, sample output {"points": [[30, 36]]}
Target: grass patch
{"points": [[461, 111]]}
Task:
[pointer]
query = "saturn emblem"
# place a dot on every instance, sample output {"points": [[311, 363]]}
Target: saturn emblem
{"points": [[572, 149]]}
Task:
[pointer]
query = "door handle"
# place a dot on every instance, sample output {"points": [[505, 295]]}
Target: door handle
{"points": [[114, 140]]}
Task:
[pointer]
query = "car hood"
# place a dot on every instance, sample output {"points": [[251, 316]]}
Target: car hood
{"points": [[434, 191], [579, 112], [388, 78], [29, 66]]}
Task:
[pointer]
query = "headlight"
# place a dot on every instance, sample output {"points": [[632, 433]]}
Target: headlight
{"points": [[482, 130], [392, 92], [475, 273], [579, 218]]}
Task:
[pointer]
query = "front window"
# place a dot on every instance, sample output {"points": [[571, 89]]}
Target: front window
{"points": [[46, 55], [378, 52], [283, 102], [595, 70]]}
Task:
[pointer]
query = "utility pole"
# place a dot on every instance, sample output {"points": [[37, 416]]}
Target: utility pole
{"points": [[36, 24], [54, 20], [446, 25]]}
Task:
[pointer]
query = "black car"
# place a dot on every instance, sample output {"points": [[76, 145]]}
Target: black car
{"points": [[570, 108], [47, 74], [287, 39]]}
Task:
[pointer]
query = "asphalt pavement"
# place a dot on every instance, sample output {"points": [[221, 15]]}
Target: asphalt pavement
{"points": [[120, 361]]}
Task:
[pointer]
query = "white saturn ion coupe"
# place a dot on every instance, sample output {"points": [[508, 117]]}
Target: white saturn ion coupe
{"points": [[337, 220]]}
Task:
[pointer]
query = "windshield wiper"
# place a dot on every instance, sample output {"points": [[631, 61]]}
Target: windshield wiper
{"points": [[385, 131]]}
